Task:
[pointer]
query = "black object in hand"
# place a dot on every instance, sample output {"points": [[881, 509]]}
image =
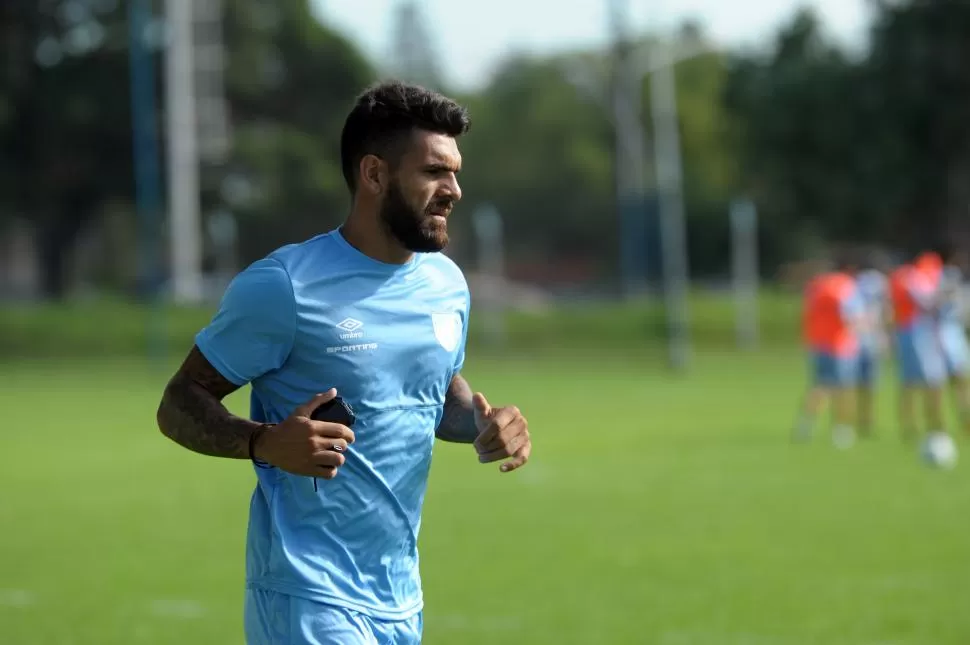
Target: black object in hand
{"points": [[334, 411]]}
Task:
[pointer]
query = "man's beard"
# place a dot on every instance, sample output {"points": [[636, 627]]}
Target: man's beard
{"points": [[416, 231]]}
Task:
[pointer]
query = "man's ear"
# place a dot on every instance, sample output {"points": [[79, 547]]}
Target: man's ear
{"points": [[374, 174]]}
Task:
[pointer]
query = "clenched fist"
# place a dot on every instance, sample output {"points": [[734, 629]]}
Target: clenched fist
{"points": [[502, 433], [302, 446]]}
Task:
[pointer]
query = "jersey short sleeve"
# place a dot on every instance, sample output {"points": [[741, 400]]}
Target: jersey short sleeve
{"points": [[253, 331]]}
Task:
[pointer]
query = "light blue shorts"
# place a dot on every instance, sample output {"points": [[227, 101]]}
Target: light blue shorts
{"points": [[273, 618], [956, 350], [830, 370], [920, 358]]}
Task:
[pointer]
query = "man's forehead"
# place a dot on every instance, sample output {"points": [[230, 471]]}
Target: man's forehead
{"points": [[434, 147]]}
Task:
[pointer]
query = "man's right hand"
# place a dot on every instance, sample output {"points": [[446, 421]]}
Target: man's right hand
{"points": [[302, 446]]}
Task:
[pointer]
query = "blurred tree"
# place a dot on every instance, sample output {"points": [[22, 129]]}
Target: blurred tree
{"points": [[798, 137], [65, 126], [919, 81], [872, 148], [710, 164], [708, 149], [63, 119], [290, 82], [541, 154]]}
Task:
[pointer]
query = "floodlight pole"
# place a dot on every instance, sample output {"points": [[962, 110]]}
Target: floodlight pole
{"points": [[630, 155], [487, 222], [673, 225], [185, 243], [744, 269], [146, 160]]}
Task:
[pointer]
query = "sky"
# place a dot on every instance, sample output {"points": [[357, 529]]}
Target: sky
{"points": [[473, 36]]}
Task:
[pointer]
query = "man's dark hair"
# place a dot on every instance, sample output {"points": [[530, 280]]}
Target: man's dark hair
{"points": [[386, 115]]}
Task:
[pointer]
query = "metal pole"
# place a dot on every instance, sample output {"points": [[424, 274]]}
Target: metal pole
{"points": [[146, 159], [629, 151], [209, 61], [744, 260], [185, 243], [491, 260], [673, 227]]}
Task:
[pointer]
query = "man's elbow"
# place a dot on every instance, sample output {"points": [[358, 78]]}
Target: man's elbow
{"points": [[163, 413], [160, 417]]}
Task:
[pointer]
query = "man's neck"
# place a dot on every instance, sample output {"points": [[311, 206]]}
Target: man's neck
{"points": [[364, 232]]}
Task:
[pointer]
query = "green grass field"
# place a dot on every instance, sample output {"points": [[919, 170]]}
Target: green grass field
{"points": [[673, 511]]}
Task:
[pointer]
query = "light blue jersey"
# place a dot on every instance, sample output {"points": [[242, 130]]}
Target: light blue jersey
{"points": [[951, 297], [953, 332], [389, 338], [872, 287]]}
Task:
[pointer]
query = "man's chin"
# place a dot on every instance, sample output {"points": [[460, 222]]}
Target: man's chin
{"points": [[428, 237], [434, 244], [427, 241]]}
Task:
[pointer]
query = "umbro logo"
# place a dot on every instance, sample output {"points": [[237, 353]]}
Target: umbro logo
{"points": [[351, 328], [350, 324]]}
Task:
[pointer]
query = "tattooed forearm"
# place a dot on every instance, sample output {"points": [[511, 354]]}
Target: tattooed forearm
{"points": [[192, 414], [458, 421]]}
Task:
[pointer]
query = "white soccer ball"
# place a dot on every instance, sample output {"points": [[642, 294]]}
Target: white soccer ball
{"points": [[939, 451]]}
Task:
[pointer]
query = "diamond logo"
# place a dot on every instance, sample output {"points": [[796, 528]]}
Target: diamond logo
{"points": [[447, 329], [349, 324]]}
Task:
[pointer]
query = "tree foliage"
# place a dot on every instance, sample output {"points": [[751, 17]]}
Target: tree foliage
{"points": [[65, 119], [867, 145], [289, 83], [64, 145], [860, 148]]}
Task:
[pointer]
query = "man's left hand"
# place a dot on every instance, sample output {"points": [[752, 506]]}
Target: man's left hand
{"points": [[502, 433]]}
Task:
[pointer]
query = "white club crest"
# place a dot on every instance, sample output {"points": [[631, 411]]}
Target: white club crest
{"points": [[447, 329]]}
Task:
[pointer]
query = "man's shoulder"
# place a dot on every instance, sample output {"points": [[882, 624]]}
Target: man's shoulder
{"points": [[317, 260], [293, 254]]}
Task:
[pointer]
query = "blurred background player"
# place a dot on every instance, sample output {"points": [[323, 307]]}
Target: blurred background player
{"points": [[953, 332], [873, 288], [913, 288], [833, 316]]}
